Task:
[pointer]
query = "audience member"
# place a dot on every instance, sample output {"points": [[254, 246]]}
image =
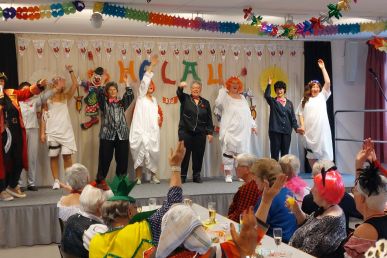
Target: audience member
{"points": [[77, 177], [247, 194], [290, 165], [279, 216]]}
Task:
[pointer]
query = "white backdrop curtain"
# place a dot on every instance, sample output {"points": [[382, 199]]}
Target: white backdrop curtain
{"points": [[44, 56]]}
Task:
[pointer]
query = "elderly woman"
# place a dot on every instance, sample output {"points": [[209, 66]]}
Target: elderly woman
{"points": [[130, 232], [236, 124], [195, 126], [347, 203], [91, 201], [77, 177], [322, 232], [290, 165], [370, 193], [247, 194], [267, 170], [313, 117]]}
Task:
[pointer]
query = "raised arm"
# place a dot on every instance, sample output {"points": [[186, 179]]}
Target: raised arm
{"points": [[327, 80], [267, 93], [74, 81], [180, 92], [43, 124]]}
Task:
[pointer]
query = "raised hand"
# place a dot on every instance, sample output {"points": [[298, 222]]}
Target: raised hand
{"points": [[69, 67], [154, 60], [270, 80], [321, 64], [246, 240], [182, 84], [270, 192], [177, 156]]}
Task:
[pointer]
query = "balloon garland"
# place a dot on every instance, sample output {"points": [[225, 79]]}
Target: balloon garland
{"points": [[42, 11]]}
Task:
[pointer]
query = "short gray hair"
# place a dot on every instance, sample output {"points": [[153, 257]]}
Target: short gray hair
{"points": [[91, 199], [246, 159], [321, 164], [290, 165], [197, 82], [111, 210], [77, 176]]}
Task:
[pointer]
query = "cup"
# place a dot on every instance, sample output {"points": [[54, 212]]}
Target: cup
{"points": [[152, 203], [212, 212]]}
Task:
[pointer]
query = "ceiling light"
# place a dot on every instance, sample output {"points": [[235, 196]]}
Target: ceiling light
{"points": [[96, 20]]}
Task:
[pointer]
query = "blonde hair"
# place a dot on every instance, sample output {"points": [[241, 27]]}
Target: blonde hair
{"points": [[266, 169], [290, 165]]}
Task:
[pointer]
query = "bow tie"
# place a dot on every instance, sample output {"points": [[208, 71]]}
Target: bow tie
{"points": [[113, 100], [282, 101], [195, 97]]}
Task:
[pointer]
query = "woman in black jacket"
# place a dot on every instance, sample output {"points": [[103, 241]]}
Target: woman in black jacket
{"points": [[194, 127]]}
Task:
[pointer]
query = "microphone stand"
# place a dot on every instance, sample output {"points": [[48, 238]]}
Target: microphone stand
{"points": [[379, 85]]}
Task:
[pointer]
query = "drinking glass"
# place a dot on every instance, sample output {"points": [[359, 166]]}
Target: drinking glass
{"points": [[152, 203], [187, 202], [212, 212], [277, 235]]}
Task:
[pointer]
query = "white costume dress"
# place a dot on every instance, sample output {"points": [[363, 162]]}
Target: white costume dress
{"points": [[58, 126], [317, 135], [144, 135], [235, 124]]}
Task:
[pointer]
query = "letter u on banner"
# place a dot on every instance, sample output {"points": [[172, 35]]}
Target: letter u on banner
{"points": [[211, 80]]}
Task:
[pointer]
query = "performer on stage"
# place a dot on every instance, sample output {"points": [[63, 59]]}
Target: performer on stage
{"points": [[56, 126], [282, 120], [31, 110], [13, 151], [114, 133], [313, 117], [236, 124], [195, 126], [144, 135]]}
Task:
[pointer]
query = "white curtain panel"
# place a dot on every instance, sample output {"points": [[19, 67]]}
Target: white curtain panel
{"points": [[43, 56]]}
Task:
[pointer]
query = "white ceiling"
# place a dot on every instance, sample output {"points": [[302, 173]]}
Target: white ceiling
{"points": [[273, 11]]}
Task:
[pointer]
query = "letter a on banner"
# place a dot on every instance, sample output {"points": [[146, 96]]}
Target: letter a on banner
{"points": [[126, 70], [189, 67], [211, 80]]}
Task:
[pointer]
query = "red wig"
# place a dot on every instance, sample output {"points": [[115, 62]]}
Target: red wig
{"points": [[330, 186], [233, 79]]}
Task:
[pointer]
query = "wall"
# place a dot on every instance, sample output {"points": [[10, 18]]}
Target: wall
{"points": [[348, 96]]}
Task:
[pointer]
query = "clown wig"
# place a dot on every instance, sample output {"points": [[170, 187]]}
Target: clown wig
{"points": [[329, 185], [234, 79]]}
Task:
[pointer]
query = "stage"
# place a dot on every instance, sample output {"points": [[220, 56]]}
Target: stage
{"points": [[33, 220]]}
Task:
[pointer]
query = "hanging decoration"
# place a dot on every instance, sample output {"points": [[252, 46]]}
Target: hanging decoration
{"points": [[39, 45], [248, 52], [236, 50], [67, 44], [212, 49], [223, 52], [186, 48], [280, 50], [22, 45], [379, 44], [37, 12], [109, 48], [163, 47], [176, 49], [97, 47], [55, 46], [148, 46], [123, 47], [138, 49], [82, 46], [259, 50], [272, 49]]}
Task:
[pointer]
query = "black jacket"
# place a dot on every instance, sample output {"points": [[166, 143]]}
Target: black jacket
{"points": [[194, 118], [282, 118]]}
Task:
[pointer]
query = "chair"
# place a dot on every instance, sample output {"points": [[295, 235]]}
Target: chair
{"points": [[61, 224]]}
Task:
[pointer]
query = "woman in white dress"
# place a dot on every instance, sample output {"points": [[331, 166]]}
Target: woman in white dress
{"points": [[313, 117], [144, 135], [236, 124], [56, 127]]}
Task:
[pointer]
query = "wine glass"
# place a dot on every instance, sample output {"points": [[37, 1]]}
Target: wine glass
{"points": [[277, 235]]}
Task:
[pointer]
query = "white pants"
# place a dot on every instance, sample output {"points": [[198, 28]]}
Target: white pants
{"points": [[32, 152]]}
